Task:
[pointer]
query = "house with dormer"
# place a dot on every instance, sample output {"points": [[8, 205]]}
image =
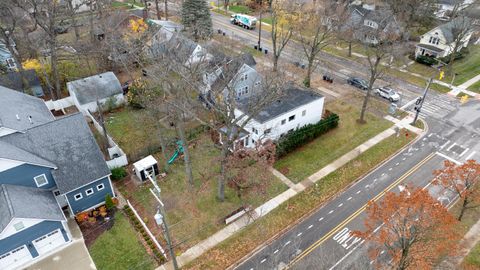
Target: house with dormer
{"points": [[50, 168], [442, 40]]}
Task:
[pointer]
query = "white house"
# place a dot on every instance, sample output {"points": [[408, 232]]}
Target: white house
{"points": [[445, 7], [294, 109], [103, 87], [441, 41]]}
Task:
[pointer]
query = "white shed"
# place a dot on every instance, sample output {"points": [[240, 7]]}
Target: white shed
{"points": [[102, 87], [146, 166]]}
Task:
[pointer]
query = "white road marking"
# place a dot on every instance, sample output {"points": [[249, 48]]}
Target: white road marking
{"points": [[464, 151], [445, 144], [451, 146], [331, 211], [397, 164], [299, 234], [371, 262], [359, 191], [275, 252], [390, 169], [366, 186], [447, 157], [340, 205], [346, 255], [264, 260], [349, 198], [309, 227], [383, 174], [430, 135], [383, 251], [404, 159], [288, 242], [471, 155], [320, 219]]}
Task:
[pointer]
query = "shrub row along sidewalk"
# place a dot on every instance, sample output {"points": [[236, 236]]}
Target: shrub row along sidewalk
{"points": [[288, 207]]}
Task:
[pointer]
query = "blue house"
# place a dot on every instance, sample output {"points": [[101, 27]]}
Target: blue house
{"points": [[50, 168], [6, 58]]}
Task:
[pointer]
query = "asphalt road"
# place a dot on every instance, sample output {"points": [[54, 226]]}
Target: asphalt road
{"points": [[322, 240]]}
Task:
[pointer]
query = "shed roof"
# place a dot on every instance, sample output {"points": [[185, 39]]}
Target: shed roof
{"points": [[144, 163], [69, 144], [19, 111], [95, 87], [27, 202], [293, 97], [13, 80]]}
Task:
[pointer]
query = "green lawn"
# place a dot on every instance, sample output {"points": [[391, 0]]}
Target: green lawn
{"points": [[467, 67], [120, 248], [475, 87], [197, 211], [420, 82], [239, 245], [126, 4], [328, 147], [267, 20], [240, 9], [473, 258]]}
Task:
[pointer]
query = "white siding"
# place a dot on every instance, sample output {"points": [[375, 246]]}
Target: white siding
{"points": [[6, 131], [7, 164], [313, 114], [10, 230]]}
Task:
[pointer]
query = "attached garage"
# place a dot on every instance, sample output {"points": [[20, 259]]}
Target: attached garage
{"points": [[48, 242], [15, 258]]}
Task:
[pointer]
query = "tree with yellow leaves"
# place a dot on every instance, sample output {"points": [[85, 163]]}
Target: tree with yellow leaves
{"points": [[283, 16]]}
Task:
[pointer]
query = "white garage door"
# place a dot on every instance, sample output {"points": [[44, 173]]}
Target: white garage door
{"points": [[48, 242], [15, 258]]}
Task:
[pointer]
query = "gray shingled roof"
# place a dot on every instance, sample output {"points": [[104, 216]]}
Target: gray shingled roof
{"points": [[450, 29], [14, 103], [9, 151], [292, 98], [69, 144], [27, 202], [13, 80], [95, 87]]}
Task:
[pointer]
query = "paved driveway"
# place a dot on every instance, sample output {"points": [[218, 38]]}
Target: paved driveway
{"points": [[74, 256]]}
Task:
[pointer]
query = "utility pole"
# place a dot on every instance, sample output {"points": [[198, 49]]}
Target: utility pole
{"points": [[420, 100], [161, 218], [260, 30]]}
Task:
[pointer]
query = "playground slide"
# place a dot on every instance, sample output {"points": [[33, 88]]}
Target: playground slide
{"points": [[174, 156]]}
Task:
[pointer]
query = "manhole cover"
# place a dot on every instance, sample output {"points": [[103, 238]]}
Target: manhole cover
{"points": [[457, 149]]}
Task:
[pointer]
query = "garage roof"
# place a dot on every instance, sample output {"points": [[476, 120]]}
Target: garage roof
{"points": [[27, 202]]}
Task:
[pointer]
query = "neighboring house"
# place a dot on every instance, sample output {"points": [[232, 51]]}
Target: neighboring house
{"points": [[6, 58], [371, 24], [236, 74], [446, 7], [296, 108], [48, 167], [162, 32], [13, 80], [441, 41], [179, 48], [104, 88]]}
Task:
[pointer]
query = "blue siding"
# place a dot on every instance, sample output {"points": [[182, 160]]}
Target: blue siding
{"points": [[23, 176], [89, 201], [27, 236]]}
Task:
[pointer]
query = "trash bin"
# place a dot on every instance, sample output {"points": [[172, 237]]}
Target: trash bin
{"points": [[219, 31], [256, 47], [266, 51]]}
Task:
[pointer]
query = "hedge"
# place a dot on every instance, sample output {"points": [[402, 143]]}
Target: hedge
{"points": [[118, 173], [306, 134], [426, 60]]}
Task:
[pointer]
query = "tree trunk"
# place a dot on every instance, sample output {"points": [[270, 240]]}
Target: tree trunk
{"points": [[166, 10], [53, 63], [223, 172], [18, 62], [275, 62], [462, 210], [102, 123], [350, 49], [186, 152], [306, 81], [364, 107], [163, 145], [157, 8]]}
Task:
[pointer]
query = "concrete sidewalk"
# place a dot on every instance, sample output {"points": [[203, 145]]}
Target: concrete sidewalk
{"points": [[199, 249]]}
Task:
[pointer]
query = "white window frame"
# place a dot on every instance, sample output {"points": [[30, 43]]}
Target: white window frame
{"points": [[41, 175], [100, 186], [89, 190], [78, 196], [304, 112]]}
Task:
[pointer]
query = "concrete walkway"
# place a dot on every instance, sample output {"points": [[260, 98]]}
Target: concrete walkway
{"points": [[471, 238], [202, 247]]}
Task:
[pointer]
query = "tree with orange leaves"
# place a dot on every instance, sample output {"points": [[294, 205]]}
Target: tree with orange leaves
{"points": [[462, 180], [413, 228]]}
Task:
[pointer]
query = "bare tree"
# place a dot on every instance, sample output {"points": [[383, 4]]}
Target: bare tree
{"points": [[316, 30], [282, 27], [461, 29]]}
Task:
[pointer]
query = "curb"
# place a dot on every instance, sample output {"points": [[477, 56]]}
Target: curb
{"points": [[328, 200]]}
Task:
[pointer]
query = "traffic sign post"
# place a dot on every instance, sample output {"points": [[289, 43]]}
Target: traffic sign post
{"points": [[420, 100]]}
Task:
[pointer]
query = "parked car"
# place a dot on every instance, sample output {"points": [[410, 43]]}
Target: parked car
{"points": [[357, 82], [388, 93]]}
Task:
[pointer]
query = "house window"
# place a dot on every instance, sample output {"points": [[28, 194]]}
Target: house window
{"points": [[244, 77], [78, 196], [291, 118], [253, 141], [284, 121], [267, 131], [254, 130], [89, 191], [257, 83], [100, 187], [304, 112], [40, 180], [10, 63], [434, 40], [18, 226], [56, 193]]}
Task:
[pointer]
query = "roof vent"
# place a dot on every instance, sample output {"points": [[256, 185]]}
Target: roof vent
{"points": [[100, 76], [30, 119], [18, 117]]}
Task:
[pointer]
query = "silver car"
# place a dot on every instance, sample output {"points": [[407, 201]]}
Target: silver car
{"points": [[388, 93]]}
